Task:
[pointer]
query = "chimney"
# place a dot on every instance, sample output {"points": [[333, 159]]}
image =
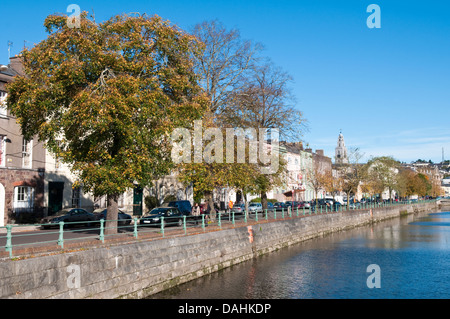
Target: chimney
{"points": [[319, 152], [16, 64]]}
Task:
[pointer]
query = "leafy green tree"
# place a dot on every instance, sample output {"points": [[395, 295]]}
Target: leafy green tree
{"points": [[104, 98]]}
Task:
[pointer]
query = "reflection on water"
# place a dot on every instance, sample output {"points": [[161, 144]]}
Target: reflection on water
{"points": [[413, 253]]}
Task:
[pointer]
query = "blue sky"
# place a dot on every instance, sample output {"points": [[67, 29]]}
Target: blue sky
{"points": [[388, 89]]}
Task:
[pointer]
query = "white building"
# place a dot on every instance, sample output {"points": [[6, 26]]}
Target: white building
{"points": [[59, 190], [299, 167]]}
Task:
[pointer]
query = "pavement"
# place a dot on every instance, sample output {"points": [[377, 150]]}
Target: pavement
{"points": [[19, 228]]}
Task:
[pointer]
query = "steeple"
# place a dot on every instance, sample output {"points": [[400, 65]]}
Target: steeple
{"points": [[341, 150]]}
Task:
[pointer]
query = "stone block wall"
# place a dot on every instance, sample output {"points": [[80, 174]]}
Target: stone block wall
{"points": [[142, 268]]}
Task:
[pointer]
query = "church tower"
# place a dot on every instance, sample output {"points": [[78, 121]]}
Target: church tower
{"points": [[341, 151]]}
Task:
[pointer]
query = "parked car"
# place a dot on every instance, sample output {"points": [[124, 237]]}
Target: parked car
{"points": [[307, 204], [123, 219], [238, 208], [68, 215], [184, 206], [172, 217], [325, 204], [280, 206], [255, 208], [270, 207], [294, 204]]}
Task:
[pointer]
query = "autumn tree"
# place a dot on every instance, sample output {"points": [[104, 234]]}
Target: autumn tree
{"points": [[423, 185], [229, 69], [205, 164], [351, 173], [225, 59], [407, 182], [263, 182], [318, 178], [264, 101], [104, 97], [381, 174]]}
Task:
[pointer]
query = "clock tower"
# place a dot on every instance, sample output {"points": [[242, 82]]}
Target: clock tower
{"points": [[341, 151]]}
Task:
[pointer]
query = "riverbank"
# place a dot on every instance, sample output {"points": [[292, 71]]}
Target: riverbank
{"points": [[139, 269]]}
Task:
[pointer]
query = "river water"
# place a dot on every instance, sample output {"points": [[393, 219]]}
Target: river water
{"points": [[411, 254]]}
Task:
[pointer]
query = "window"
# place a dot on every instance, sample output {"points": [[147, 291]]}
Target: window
{"points": [[57, 159], [76, 191], [27, 147], [23, 199], [2, 150], [3, 110]]}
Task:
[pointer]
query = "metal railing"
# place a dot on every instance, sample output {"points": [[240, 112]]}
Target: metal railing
{"points": [[96, 230]]}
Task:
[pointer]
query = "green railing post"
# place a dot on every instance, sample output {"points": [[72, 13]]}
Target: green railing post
{"points": [[102, 230], [61, 234], [266, 213], [282, 212], [162, 225], [233, 218], [219, 223], [203, 222], [245, 216], [256, 215], [184, 224], [8, 246], [135, 232], [275, 214]]}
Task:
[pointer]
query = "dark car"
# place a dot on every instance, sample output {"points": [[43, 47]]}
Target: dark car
{"points": [[123, 219], [184, 206], [280, 206], [270, 207], [294, 204], [172, 217], [325, 204], [68, 215]]}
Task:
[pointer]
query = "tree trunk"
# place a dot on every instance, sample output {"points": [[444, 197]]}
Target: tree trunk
{"points": [[244, 195], [209, 201], [112, 214], [264, 201]]}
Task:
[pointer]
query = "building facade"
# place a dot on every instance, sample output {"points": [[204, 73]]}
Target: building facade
{"points": [[22, 162], [300, 173]]}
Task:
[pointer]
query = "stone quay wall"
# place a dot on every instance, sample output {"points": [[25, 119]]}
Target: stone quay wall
{"points": [[142, 268]]}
